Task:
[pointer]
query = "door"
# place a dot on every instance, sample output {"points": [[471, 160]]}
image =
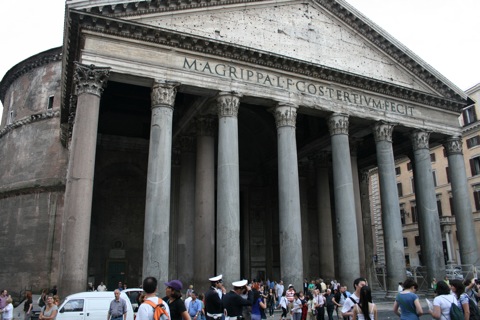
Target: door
{"points": [[115, 274]]}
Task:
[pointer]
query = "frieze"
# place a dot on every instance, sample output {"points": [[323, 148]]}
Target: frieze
{"points": [[453, 146], [382, 131], [420, 139], [338, 124]]}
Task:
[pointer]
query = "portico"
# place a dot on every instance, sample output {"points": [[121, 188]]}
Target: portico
{"points": [[252, 114]]}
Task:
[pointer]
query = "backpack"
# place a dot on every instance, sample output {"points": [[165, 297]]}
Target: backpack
{"points": [[455, 312], [159, 309], [474, 313]]}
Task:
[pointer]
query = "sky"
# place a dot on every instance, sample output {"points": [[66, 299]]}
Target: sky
{"points": [[444, 34]]}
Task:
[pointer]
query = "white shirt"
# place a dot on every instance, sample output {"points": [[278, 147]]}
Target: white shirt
{"points": [[280, 289], [145, 311], [319, 300], [102, 287], [348, 304], [187, 302], [445, 301], [8, 312]]}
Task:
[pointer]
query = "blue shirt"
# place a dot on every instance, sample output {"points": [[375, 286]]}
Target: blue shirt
{"points": [[194, 307]]}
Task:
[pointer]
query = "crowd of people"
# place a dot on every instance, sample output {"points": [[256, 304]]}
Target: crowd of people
{"points": [[258, 300]]}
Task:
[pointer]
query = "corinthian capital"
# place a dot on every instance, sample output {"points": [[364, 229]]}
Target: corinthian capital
{"points": [[382, 131], [285, 114], [453, 145], [164, 93], [420, 139], [228, 103], [338, 124], [90, 79]]}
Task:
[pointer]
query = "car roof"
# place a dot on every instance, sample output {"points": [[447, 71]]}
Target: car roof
{"points": [[100, 294]]}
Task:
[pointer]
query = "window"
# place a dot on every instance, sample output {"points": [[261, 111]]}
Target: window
{"points": [[450, 199], [475, 166], [476, 196], [414, 213], [407, 260], [444, 152], [417, 241], [447, 171], [402, 214], [409, 166], [399, 189], [432, 157], [469, 115], [50, 103], [434, 174], [473, 141], [75, 305], [405, 242], [10, 117], [397, 171], [439, 206], [412, 182]]}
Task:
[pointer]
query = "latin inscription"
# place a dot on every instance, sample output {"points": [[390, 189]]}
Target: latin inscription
{"points": [[305, 87]]}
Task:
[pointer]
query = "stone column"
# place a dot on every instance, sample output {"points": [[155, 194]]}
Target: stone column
{"points": [[204, 266], [461, 202], [367, 228], [303, 189], [391, 222], [89, 82], [358, 204], [447, 230], [290, 224], [428, 220], [186, 211], [157, 207], [324, 209], [346, 230], [228, 188]]}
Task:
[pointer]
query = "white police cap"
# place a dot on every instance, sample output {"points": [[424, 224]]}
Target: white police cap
{"points": [[216, 278], [239, 284]]}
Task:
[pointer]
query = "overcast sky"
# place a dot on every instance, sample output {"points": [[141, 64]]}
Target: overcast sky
{"points": [[444, 33]]}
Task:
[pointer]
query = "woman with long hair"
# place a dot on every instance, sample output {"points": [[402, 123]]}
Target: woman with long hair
{"points": [[27, 307], [458, 289], [442, 302], [297, 307], [283, 303], [408, 302], [173, 298], [365, 309]]}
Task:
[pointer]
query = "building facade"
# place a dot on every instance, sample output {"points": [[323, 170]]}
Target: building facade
{"points": [[188, 139]]}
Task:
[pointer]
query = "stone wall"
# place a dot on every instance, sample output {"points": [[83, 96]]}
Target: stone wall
{"points": [[32, 176]]}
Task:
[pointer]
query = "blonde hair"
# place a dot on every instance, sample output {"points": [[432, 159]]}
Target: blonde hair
{"points": [[9, 300]]}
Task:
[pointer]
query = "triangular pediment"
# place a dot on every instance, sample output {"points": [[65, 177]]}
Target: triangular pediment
{"points": [[302, 30]]}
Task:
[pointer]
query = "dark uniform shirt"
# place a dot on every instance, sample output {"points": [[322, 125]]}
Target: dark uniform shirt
{"points": [[234, 303], [213, 303]]}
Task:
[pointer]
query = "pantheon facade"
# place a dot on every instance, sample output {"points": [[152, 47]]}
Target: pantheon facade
{"points": [[188, 139]]}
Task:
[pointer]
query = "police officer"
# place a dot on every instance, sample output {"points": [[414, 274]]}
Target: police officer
{"points": [[233, 302], [213, 299]]}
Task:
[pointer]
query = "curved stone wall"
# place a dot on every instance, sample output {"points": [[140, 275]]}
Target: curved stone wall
{"points": [[32, 173]]}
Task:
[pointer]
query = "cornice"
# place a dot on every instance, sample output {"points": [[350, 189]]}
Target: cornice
{"points": [[38, 60], [27, 120]]}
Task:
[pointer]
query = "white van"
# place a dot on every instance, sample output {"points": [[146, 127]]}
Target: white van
{"points": [[92, 305]]}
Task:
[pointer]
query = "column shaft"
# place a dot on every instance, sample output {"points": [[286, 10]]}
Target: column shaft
{"points": [[204, 265], [348, 257], [79, 185], [461, 203], [157, 208], [391, 222], [325, 227], [428, 220], [290, 225], [228, 191], [186, 211], [367, 228]]}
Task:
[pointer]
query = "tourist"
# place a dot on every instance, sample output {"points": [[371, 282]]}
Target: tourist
{"points": [[365, 309], [442, 302], [408, 302]]}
